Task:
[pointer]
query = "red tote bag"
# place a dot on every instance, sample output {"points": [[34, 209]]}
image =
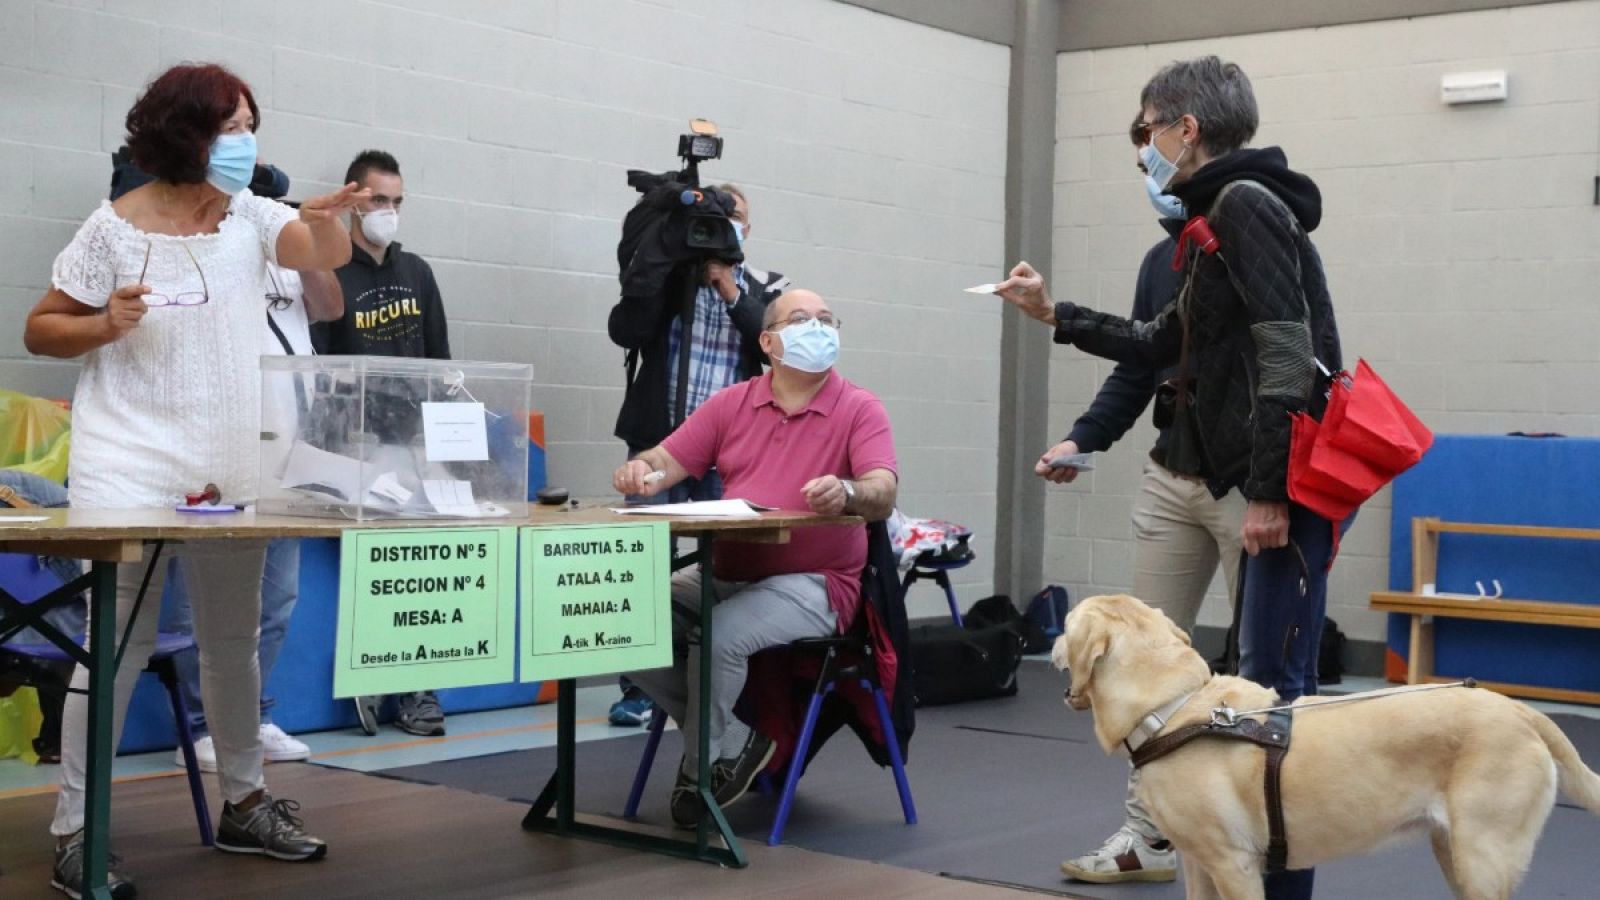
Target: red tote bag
{"points": [[1373, 425], [1305, 487], [1366, 437]]}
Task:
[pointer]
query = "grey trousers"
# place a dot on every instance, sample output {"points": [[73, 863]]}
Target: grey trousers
{"points": [[750, 617], [1180, 535]]}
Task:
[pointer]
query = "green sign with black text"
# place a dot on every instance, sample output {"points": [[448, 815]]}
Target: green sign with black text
{"points": [[425, 608], [595, 600]]}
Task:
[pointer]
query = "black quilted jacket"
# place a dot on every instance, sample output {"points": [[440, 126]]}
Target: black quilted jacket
{"points": [[1259, 320]]}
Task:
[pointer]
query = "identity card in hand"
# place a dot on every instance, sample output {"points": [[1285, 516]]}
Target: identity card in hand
{"points": [[1083, 462]]}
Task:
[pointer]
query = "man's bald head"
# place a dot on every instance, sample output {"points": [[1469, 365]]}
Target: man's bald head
{"points": [[790, 302]]}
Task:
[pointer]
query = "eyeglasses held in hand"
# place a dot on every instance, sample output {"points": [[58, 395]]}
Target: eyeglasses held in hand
{"points": [[187, 298]]}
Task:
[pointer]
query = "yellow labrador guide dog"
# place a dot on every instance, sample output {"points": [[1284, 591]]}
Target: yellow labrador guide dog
{"points": [[1475, 771]]}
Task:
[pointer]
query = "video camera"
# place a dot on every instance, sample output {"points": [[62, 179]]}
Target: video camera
{"points": [[692, 222]]}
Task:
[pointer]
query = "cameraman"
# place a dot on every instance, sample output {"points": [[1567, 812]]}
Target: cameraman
{"points": [[724, 338], [724, 347]]}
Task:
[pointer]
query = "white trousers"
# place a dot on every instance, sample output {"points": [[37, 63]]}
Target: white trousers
{"points": [[223, 580]]}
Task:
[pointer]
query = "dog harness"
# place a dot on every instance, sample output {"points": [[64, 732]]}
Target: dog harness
{"points": [[1271, 735], [1145, 745]]}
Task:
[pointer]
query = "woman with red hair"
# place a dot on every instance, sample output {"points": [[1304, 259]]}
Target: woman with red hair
{"points": [[161, 294]]}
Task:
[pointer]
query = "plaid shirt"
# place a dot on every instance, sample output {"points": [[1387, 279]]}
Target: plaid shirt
{"points": [[714, 351]]}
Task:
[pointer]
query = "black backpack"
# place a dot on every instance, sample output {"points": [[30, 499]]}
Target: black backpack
{"points": [[951, 663]]}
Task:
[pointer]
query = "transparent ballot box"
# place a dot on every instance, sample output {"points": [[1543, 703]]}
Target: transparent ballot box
{"points": [[368, 437]]}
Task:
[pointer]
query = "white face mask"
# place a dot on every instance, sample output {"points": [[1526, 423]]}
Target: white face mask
{"points": [[380, 226]]}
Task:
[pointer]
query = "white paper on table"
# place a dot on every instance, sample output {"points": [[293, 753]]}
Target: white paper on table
{"points": [[318, 471], [454, 432], [451, 497], [5, 518], [717, 509], [387, 487], [981, 289]]}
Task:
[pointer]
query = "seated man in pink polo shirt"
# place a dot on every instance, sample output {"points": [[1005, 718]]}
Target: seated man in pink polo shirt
{"points": [[798, 437]]}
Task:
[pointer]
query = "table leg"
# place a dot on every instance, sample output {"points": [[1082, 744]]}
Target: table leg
{"points": [[102, 676], [566, 752], [713, 817], [559, 791]]}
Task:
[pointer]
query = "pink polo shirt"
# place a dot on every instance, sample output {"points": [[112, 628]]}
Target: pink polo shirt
{"points": [[766, 456]]}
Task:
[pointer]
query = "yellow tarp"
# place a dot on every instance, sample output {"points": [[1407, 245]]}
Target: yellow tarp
{"points": [[34, 435], [19, 722]]}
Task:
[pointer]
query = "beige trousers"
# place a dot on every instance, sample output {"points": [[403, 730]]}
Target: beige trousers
{"points": [[1180, 534]]}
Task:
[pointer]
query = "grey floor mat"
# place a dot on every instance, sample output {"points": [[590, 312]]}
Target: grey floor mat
{"points": [[1005, 790]]}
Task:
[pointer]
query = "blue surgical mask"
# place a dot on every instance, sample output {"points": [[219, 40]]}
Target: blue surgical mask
{"points": [[1168, 206], [1157, 166], [812, 347], [233, 162], [738, 232]]}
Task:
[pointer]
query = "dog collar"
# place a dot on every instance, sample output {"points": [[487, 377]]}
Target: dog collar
{"points": [[1152, 723]]}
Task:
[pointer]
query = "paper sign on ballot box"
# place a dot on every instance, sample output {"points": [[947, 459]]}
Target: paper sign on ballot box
{"points": [[595, 600], [425, 608]]}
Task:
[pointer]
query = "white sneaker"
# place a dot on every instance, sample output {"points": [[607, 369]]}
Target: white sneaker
{"points": [[1125, 856], [277, 746], [205, 753]]}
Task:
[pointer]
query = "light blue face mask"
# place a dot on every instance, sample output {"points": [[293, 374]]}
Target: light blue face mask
{"points": [[738, 232], [233, 162], [1158, 167], [1168, 206], [812, 347]]}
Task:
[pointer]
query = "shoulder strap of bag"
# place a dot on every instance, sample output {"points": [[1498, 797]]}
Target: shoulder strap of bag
{"points": [[1294, 222]]}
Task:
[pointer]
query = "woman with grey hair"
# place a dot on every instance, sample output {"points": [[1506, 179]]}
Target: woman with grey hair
{"points": [[1247, 329]]}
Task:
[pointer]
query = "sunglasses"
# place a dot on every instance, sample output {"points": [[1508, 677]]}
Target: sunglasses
{"points": [[1142, 132]]}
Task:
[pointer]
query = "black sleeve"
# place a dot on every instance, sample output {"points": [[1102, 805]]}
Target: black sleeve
{"points": [[1257, 236], [1126, 392], [435, 327], [1154, 343], [748, 310], [322, 338]]}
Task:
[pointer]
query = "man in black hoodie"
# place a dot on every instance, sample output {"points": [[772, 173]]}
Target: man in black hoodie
{"points": [[392, 304], [392, 308], [1251, 323]]}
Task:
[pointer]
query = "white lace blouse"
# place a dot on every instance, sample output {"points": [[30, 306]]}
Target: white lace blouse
{"points": [[176, 402]]}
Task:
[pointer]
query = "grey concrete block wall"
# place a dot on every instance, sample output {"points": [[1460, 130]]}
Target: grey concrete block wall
{"points": [[1462, 244], [872, 148]]}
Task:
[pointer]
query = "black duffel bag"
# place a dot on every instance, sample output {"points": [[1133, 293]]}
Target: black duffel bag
{"points": [[951, 664]]}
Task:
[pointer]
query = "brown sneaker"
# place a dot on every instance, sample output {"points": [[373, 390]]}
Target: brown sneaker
{"points": [[730, 778], [685, 803]]}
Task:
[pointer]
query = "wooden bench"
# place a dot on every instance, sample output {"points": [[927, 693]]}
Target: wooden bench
{"points": [[1423, 606]]}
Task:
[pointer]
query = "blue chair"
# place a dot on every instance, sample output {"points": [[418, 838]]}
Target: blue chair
{"points": [[937, 571], [840, 659], [23, 573], [843, 659]]}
